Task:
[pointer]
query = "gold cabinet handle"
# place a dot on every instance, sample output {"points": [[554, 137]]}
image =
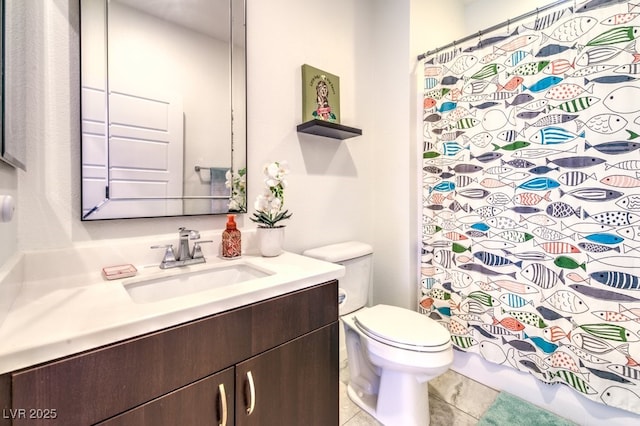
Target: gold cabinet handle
{"points": [[223, 404], [252, 394]]}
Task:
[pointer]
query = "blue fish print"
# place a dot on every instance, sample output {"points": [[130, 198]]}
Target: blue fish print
{"points": [[515, 301], [542, 170], [481, 269], [451, 148], [490, 41], [525, 209], [596, 4], [607, 375], [430, 83], [602, 294], [521, 345], [544, 22], [446, 311], [521, 99], [597, 248], [543, 345], [516, 57], [553, 49], [484, 105], [543, 84], [593, 194], [610, 79], [604, 238], [518, 163], [447, 106], [450, 80], [539, 184], [553, 136], [480, 226], [576, 162], [491, 259], [550, 314], [445, 186], [487, 156], [508, 135], [614, 147], [617, 279], [527, 115]]}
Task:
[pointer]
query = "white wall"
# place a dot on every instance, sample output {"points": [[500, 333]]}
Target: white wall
{"points": [[400, 31], [482, 14]]}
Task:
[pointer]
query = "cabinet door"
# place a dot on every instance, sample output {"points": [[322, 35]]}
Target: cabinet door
{"points": [[206, 402], [292, 384]]}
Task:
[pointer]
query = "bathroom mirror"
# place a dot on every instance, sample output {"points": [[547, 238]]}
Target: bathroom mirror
{"points": [[170, 137], [13, 50]]}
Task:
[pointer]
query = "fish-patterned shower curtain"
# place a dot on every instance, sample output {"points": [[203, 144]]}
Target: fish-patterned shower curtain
{"points": [[531, 198]]}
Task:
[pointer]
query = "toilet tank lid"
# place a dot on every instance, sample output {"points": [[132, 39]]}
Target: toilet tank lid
{"points": [[339, 252]]}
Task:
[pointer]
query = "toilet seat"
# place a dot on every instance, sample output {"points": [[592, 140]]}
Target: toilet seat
{"points": [[402, 328]]}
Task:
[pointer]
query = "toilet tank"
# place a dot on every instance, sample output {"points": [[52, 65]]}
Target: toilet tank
{"points": [[356, 257]]}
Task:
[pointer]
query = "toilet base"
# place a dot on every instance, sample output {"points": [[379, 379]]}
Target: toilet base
{"points": [[403, 400]]}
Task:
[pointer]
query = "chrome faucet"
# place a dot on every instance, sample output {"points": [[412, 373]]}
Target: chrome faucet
{"points": [[183, 250], [185, 256]]}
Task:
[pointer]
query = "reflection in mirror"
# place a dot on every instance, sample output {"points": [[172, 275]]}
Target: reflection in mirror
{"points": [[170, 138]]}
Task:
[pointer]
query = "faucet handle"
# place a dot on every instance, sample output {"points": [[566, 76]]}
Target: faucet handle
{"points": [[169, 254], [197, 250]]}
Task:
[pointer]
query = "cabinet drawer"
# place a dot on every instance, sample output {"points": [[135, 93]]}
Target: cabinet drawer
{"points": [[199, 403], [278, 320], [99, 384]]}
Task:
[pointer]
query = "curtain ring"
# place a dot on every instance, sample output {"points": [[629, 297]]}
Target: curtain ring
{"points": [[538, 11], [508, 26]]}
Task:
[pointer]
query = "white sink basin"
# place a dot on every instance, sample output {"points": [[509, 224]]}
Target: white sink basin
{"points": [[184, 283]]}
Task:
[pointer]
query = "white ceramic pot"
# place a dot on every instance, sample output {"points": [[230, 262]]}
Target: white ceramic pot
{"points": [[270, 240]]}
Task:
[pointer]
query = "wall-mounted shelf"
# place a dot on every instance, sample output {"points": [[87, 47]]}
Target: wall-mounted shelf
{"points": [[328, 129]]}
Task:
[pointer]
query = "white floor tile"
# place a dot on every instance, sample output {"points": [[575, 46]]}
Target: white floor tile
{"points": [[453, 400]]}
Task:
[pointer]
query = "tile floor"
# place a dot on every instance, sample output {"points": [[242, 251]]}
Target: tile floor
{"points": [[453, 400]]}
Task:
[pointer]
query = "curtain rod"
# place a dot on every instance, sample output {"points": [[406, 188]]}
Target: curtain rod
{"points": [[494, 28]]}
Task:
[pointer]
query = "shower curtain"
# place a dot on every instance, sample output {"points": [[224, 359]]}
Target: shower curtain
{"points": [[531, 198]]}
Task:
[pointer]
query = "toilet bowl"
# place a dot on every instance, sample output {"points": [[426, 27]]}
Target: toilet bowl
{"points": [[392, 355], [392, 352]]}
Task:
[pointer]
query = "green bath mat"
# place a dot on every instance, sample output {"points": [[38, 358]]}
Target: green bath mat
{"points": [[513, 411]]}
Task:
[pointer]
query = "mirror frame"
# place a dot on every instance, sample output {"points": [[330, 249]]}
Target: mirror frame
{"points": [[12, 68], [237, 129]]}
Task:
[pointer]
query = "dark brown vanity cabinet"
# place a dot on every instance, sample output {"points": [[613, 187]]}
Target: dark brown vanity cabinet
{"points": [[270, 363]]}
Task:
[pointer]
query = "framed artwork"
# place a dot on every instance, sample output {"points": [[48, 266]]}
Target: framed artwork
{"points": [[320, 95]]}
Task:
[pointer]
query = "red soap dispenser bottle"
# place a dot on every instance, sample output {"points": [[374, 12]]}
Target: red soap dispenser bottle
{"points": [[231, 239]]}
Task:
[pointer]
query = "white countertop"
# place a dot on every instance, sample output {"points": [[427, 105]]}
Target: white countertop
{"points": [[51, 318]]}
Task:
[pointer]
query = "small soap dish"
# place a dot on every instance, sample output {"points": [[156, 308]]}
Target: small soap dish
{"points": [[119, 271]]}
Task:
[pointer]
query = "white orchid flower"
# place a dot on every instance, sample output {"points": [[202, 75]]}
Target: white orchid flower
{"points": [[269, 205]]}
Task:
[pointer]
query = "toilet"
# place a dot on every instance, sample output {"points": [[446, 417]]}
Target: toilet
{"points": [[392, 352]]}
